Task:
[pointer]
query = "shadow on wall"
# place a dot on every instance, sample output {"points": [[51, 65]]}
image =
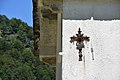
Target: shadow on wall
{"points": [[100, 11]]}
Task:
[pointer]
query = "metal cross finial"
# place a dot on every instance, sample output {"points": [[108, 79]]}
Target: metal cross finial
{"points": [[79, 38]]}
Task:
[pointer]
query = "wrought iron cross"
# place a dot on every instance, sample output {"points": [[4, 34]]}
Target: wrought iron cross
{"points": [[79, 38]]}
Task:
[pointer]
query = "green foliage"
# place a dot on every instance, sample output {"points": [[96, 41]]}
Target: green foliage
{"points": [[16, 59]]}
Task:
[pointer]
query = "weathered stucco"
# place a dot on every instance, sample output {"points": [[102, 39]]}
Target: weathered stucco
{"points": [[45, 21]]}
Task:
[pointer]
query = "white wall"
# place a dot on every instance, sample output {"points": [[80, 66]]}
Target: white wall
{"points": [[105, 37]]}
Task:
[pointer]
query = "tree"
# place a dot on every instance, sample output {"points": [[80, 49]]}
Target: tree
{"points": [[17, 61]]}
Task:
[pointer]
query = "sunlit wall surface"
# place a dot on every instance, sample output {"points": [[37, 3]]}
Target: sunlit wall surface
{"points": [[105, 41]]}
